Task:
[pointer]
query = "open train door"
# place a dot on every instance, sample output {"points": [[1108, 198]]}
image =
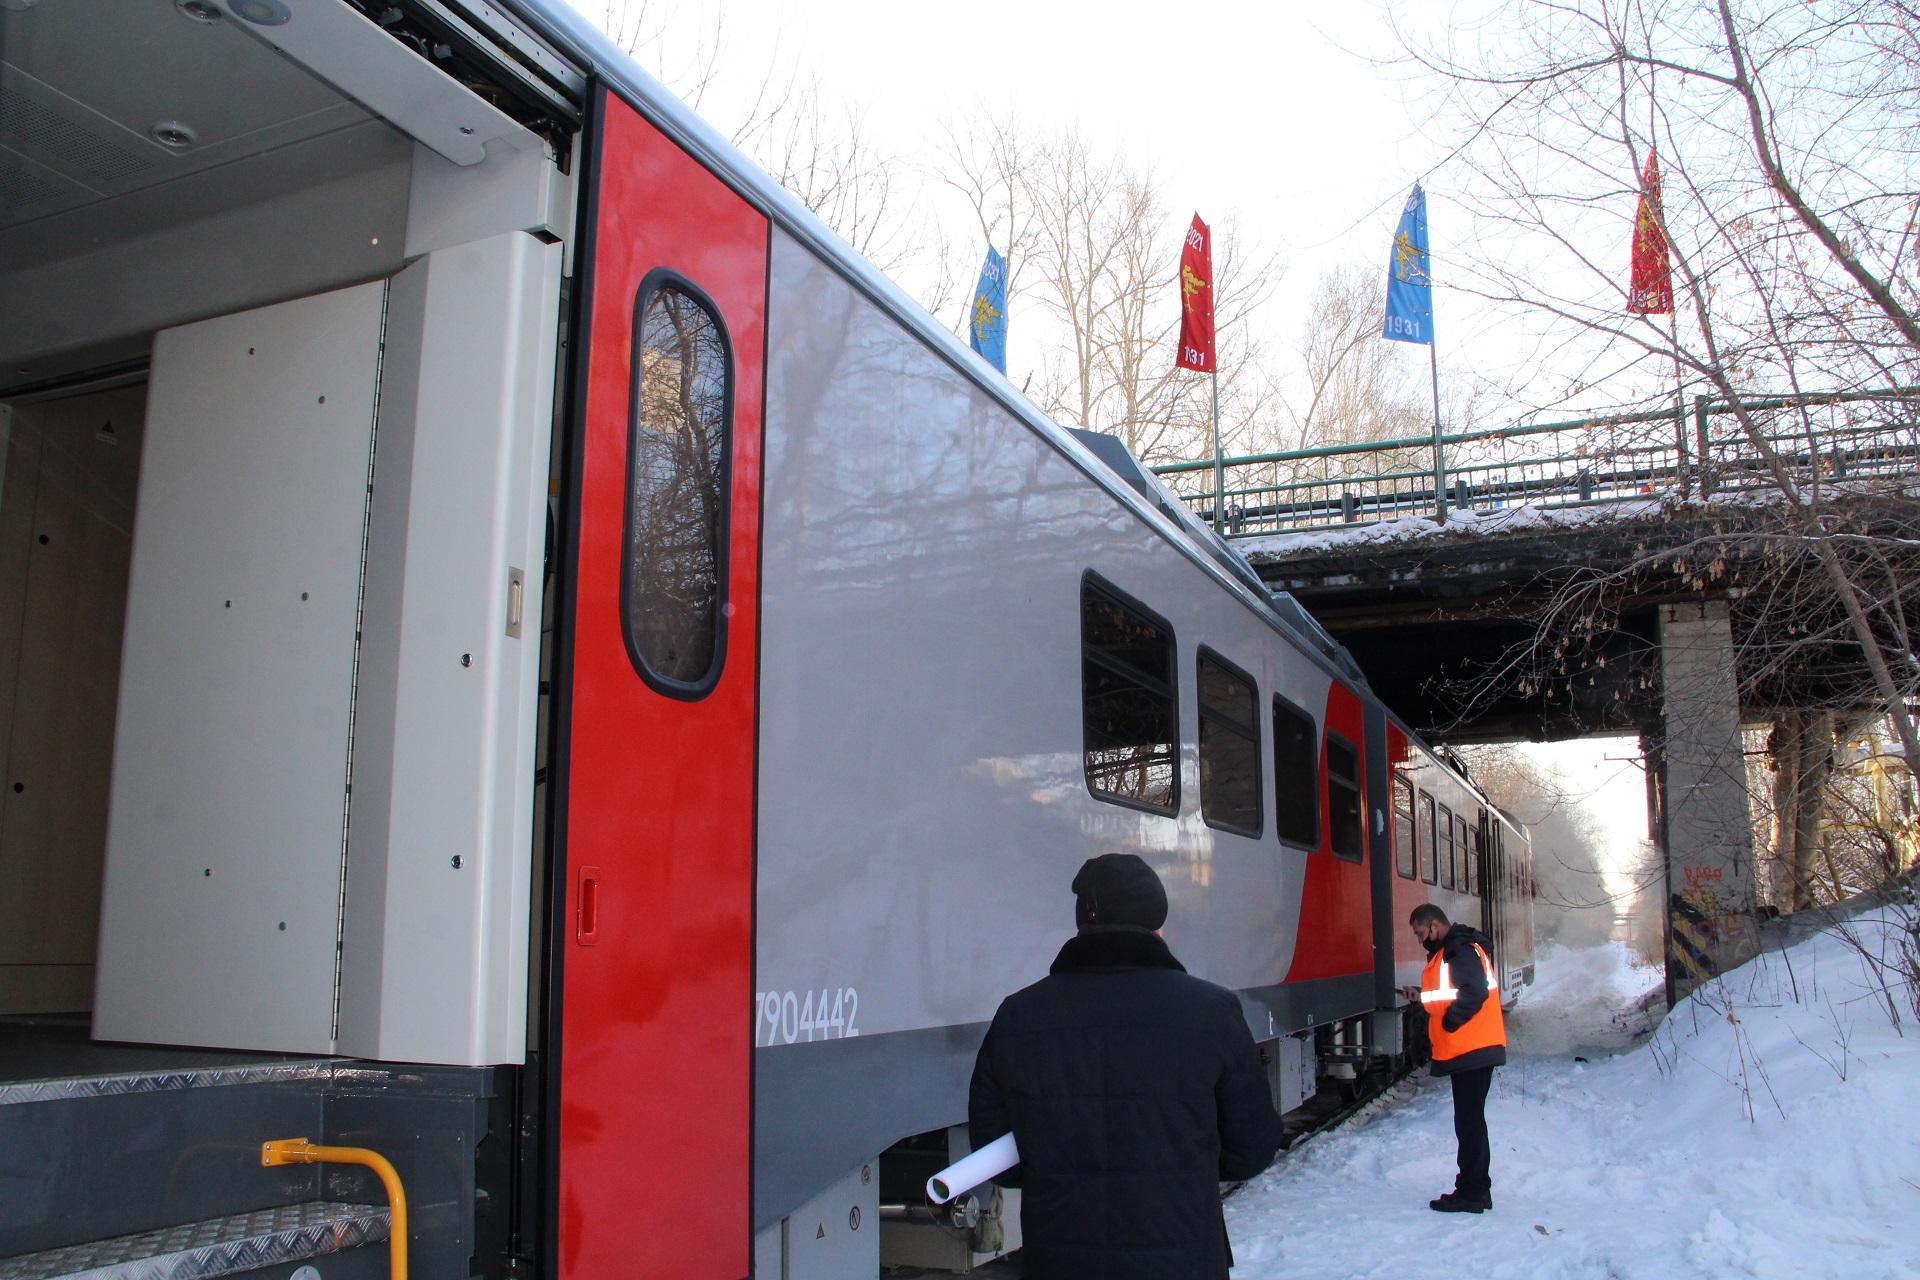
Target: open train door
{"points": [[651, 968]]}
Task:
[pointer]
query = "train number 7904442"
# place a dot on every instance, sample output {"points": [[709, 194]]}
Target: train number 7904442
{"points": [[787, 1017]]}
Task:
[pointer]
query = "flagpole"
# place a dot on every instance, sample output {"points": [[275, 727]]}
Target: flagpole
{"points": [[1219, 463], [1680, 404], [1439, 458]]}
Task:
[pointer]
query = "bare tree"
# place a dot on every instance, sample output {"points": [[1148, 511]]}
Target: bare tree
{"points": [[1787, 136], [990, 163], [1353, 386], [1842, 819], [651, 33], [829, 162], [1582, 906], [1093, 249], [824, 157]]}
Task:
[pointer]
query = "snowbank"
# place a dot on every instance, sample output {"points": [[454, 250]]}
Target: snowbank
{"points": [[1767, 1129]]}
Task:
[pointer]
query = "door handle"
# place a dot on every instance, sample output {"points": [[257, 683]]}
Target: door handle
{"points": [[586, 923]]}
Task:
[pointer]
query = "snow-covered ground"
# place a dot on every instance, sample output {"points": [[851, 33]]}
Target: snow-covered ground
{"points": [[1769, 1128]]}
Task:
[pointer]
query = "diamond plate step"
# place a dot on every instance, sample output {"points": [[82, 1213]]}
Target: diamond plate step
{"points": [[217, 1247]]}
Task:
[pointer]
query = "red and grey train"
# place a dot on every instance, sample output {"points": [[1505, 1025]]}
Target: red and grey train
{"points": [[571, 679]]}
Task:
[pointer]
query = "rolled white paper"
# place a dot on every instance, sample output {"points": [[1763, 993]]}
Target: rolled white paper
{"points": [[970, 1171]]}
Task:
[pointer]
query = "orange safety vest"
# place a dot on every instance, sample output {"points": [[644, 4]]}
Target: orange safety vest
{"points": [[1484, 1030]]}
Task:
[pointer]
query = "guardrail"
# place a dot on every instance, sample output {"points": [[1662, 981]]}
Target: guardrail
{"points": [[1614, 458]]}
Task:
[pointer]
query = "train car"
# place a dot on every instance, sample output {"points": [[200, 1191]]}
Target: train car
{"points": [[1454, 848], [533, 661]]}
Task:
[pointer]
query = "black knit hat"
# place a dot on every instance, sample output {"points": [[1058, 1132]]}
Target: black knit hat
{"points": [[1118, 888]]}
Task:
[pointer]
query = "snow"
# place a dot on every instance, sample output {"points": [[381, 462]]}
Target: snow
{"points": [[1766, 1129], [1533, 518], [1459, 520]]}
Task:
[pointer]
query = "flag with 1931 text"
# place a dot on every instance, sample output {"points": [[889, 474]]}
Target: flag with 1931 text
{"points": [[1409, 276], [1196, 299]]}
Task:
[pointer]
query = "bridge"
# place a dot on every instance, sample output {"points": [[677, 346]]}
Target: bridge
{"points": [[1671, 574]]}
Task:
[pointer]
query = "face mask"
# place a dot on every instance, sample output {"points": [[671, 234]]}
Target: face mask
{"points": [[1432, 946]]}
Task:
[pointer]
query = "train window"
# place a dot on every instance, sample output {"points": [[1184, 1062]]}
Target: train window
{"points": [[1403, 850], [1426, 838], [1345, 826], [680, 419], [1296, 775], [1445, 853], [1230, 783], [1473, 858], [1127, 690], [1463, 854]]}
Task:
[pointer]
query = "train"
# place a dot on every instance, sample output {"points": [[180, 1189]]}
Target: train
{"points": [[533, 660]]}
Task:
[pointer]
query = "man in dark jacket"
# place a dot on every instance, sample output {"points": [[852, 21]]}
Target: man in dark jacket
{"points": [[1461, 995], [1131, 1088]]}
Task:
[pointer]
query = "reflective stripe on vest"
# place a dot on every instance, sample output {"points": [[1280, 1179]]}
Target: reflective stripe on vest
{"points": [[1447, 991]]}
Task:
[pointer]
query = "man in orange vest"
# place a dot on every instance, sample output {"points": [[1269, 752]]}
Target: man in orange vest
{"points": [[1462, 998]]}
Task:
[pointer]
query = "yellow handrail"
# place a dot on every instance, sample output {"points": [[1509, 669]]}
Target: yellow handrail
{"points": [[300, 1151]]}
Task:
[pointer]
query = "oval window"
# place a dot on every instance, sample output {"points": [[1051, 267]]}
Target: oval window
{"points": [[681, 420]]}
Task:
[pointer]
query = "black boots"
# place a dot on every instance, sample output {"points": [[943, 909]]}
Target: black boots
{"points": [[1454, 1202]]}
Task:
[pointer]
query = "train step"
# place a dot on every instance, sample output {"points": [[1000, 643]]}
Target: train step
{"points": [[236, 1245], [117, 1142]]}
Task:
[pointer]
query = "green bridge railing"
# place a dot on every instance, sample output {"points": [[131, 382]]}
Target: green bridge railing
{"points": [[1619, 458]]}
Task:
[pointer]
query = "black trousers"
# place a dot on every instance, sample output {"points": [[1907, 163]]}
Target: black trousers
{"points": [[1470, 1130]]}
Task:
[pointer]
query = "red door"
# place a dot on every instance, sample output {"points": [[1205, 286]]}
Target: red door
{"points": [[1336, 915], [656, 958]]}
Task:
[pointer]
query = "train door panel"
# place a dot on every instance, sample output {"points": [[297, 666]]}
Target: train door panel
{"points": [[1380, 836], [656, 833], [1336, 918]]}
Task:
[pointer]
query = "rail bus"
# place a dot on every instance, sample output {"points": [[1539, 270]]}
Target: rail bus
{"points": [[526, 657]]}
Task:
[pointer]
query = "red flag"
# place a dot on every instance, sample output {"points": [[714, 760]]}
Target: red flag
{"points": [[1651, 291], [1196, 299]]}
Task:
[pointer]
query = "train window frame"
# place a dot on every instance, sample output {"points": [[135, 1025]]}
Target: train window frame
{"points": [[1093, 586], [1476, 831], [1462, 852], [655, 282], [1445, 853], [1359, 825], [1429, 873], [1248, 731], [1300, 785], [1406, 851]]}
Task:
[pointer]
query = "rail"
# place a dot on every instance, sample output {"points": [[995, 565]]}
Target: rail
{"points": [[1615, 458]]}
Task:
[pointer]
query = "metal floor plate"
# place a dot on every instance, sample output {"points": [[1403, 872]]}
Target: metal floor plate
{"points": [[216, 1247]]}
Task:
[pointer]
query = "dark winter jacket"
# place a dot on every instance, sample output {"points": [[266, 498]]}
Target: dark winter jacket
{"points": [[1132, 1090], [1470, 980]]}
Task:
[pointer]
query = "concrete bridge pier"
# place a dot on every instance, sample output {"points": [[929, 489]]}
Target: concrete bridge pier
{"points": [[1698, 789]]}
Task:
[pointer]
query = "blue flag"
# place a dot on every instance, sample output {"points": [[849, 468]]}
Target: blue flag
{"points": [[1409, 284], [987, 326]]}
